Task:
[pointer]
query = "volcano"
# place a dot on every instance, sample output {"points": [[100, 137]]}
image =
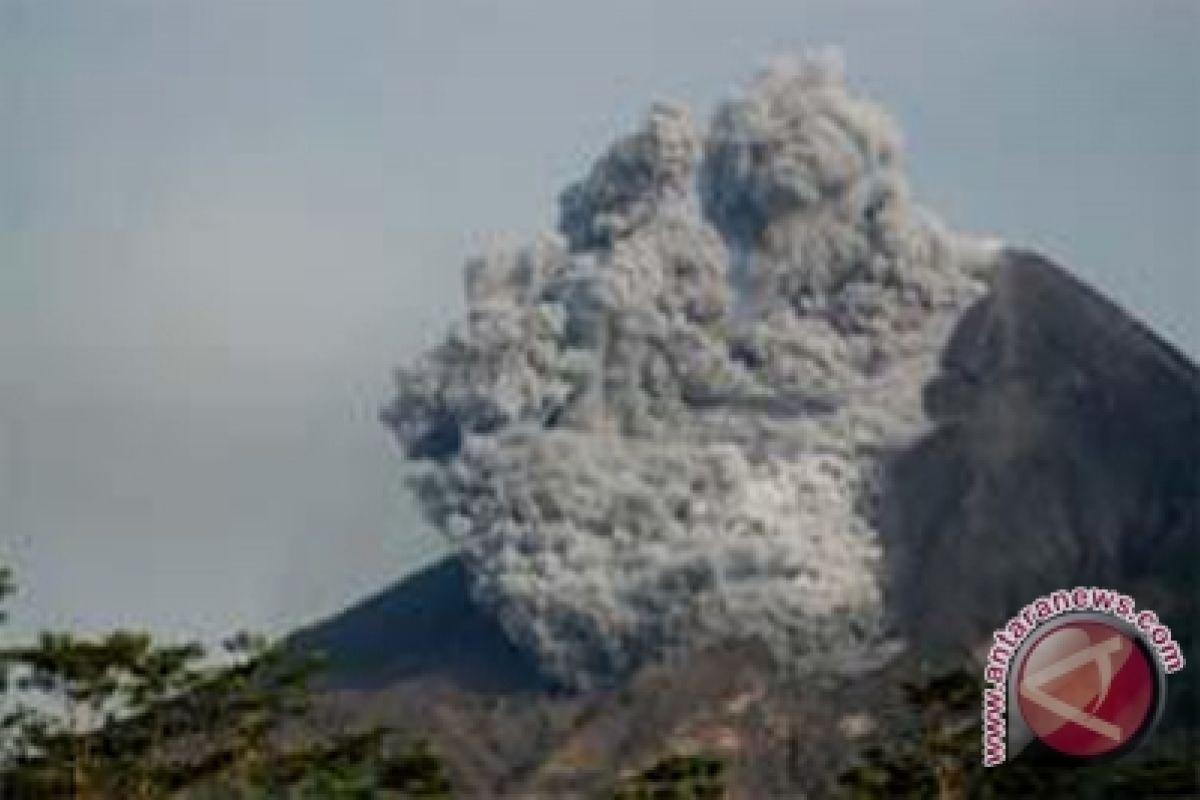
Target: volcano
{"points": [[754, 419]]}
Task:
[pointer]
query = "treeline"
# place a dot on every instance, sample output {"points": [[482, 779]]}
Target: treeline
{"points": [[123, 717]]}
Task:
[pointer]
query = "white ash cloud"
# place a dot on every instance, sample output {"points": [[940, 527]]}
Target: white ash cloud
{"points": [[664, 428]]}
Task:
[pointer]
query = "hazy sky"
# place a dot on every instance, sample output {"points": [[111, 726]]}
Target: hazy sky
{"points": [[222, 223]]}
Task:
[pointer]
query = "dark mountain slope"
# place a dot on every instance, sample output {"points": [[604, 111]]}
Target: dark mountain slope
{"points": [[425, 626], [1066, 451]]}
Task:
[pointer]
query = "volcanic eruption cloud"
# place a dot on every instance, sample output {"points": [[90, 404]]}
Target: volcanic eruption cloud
{"points": [[664, 426]]}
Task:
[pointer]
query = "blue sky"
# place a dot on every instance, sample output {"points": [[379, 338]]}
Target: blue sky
{"points": [[223, 223]]}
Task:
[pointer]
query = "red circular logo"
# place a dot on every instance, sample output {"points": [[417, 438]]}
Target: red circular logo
{"points": [[1087, 687]]}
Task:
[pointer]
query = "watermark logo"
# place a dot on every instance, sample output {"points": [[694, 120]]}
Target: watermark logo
{"points": [[1081, 673], [1087, 687]]}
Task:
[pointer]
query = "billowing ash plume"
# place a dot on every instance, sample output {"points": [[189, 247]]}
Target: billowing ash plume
{"points": [[663, 428]]}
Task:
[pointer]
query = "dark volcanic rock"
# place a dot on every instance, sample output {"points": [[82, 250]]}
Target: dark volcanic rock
{"points": [[424, 627], [1065, 452]]}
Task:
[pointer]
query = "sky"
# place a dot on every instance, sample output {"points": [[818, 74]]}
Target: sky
{"points": [[223, 224]]}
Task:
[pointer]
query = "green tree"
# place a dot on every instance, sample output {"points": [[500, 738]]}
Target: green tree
{"points": [[87, 724], [676, 777], [932, 749], [123, 717]]}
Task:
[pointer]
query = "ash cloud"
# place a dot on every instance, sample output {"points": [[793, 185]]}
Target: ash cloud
{"points": [[662, 428]]}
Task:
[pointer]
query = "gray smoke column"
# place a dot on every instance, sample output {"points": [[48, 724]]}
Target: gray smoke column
{"points": [[663, 428]]}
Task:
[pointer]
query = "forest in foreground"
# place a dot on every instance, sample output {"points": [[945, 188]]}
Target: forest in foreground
{"points": [[125, 717]]}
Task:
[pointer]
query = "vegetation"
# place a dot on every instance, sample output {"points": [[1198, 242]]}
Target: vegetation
{"points": [[677, 777], [122, 717], [932, 750]]}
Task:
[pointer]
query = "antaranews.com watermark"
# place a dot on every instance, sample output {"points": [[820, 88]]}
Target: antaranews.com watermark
{"points": [[1037, 685]]}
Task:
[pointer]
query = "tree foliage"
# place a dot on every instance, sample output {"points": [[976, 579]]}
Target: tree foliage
{"points": [[932, 750], [677, 777], [123, 717]]}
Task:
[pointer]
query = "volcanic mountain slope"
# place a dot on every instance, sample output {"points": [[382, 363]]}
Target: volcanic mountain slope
{"points": [[1065, 452], [426, 627]]}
